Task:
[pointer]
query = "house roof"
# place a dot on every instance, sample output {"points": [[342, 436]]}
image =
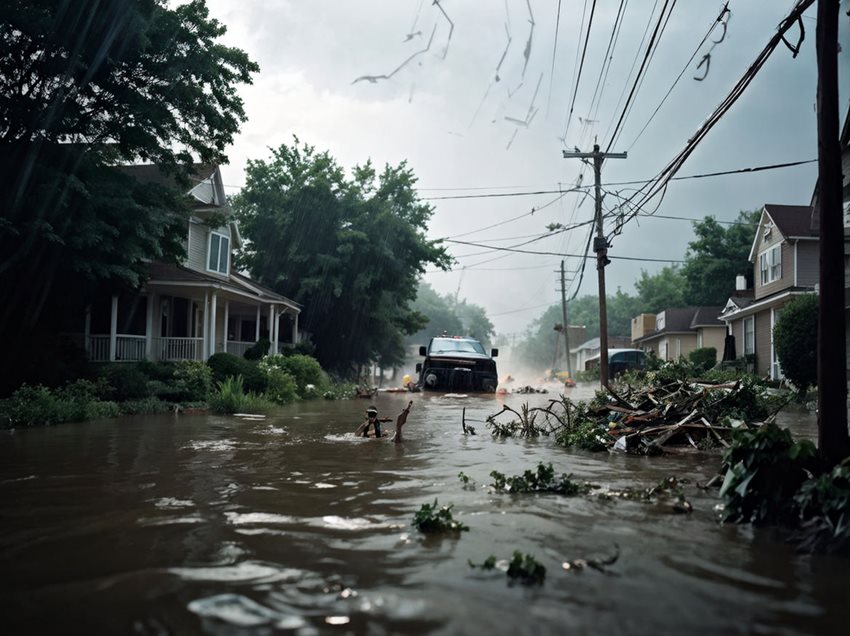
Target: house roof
{"points": [[164, 273], [707, 317], [677, 319], [792, 220], [150, 173]]}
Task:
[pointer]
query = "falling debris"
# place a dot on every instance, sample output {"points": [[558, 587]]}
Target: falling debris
{"points": [[373, 79], [410, 36], [504, 53], [451, 27], [527, 52]]}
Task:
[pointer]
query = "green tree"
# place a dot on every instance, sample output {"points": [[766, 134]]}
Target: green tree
{"points": [[349, 249], [795, 337], [716, 256], [84, 86], [660, 291], [437, 311]]}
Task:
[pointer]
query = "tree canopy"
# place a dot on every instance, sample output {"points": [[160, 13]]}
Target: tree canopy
{"points": [[716, 256], [795, 337], [85, 86], [350, 249], [446, 314]]}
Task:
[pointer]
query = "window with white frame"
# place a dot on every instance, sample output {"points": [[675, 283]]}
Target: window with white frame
{"points": [[770, 264], [749, 335], [219, 253]]}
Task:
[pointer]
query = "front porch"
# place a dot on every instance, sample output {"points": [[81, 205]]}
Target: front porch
{"points": [[171, 325]]}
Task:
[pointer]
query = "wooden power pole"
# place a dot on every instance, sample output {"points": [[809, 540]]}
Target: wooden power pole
{"points": [[566, 324], [833, 441], [600, 246]]}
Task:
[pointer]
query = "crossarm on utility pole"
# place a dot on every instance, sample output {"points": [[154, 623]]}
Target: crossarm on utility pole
{"points": [[600, 246]]}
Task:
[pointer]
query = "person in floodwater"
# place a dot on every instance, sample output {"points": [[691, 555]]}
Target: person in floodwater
{"points": [[374, 422]]}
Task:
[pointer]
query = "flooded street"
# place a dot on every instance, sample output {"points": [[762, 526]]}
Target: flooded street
{"points": [[185, 524]]}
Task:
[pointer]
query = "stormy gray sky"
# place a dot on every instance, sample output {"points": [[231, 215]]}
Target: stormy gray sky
{"points": [[445, 114]]}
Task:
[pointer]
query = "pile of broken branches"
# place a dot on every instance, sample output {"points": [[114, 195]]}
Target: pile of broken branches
{"points": [[646, 420]]}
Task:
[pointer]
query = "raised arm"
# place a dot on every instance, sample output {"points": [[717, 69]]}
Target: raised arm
{"points": [[400, 421]]}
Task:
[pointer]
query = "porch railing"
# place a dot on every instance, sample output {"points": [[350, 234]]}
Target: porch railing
{"points": [[238, 348], [177, 348], [98, 348], [129, 348]]}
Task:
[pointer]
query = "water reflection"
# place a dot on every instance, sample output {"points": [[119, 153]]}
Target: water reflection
{"points": [[186, 524]]}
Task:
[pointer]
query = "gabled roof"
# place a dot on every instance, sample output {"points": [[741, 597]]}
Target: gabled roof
{"points": [[677, 319], [204, 182], [792, 221], [707, 317]]}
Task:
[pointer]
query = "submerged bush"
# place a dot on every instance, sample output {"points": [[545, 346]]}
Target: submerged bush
{"points": [[764, 468], [824, 505], [543, 480], [304, 369], [232, 398], [281, 386], [523, 568], [127, 380], [193, 379], [431, 519], [226, 365], [145, 406]]}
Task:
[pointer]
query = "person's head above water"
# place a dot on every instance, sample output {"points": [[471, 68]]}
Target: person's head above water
{"points": [[371, 412]]}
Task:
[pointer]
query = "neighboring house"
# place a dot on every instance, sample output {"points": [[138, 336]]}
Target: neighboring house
{"points": [[590, 349], [674, 333], [785, 256], [201, 307]]}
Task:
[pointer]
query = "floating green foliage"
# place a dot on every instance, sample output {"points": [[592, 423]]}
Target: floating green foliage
{"points": [[432, 519], [669, 488], [764, 468], [522, 568], [824, 505], [464, 478], [544, 480], [587, 435], [525, 424]]}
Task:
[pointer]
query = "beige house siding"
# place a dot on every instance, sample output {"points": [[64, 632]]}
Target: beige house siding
{"points": [[198, 252], [714, 337], [786, 278], [808, 254], [676, 346]]}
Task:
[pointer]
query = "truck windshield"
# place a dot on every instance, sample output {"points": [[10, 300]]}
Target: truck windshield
{"points": [[451, 345]]}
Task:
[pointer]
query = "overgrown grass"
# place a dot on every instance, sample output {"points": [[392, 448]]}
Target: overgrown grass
{"points": [[232, 398]]}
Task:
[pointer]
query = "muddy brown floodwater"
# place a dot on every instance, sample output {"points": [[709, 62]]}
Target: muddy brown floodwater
{"points": [[209, 524]]}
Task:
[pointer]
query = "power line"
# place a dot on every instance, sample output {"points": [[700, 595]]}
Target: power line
{"points": [[646, 58], [667, 174], [582, 256], [704, 175], [714, 24], [580, 68]]}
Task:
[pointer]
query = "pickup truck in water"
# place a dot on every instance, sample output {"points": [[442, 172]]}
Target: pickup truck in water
{"points": [[457, 364]]}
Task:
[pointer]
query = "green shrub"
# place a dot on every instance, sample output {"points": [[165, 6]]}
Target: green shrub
{"points": [[764, 468], [146, 406], [167, 391], [703, 359], [281, 386], [232, 398], [824, 505], [339, 391], [161, 371], [258, 350], [795, 337], [193, 379], [225, 365], [304, 369], [127, 379], [432, 519], [32, 405]]}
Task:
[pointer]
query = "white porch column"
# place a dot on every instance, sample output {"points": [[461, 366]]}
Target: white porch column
{"points": [[257, 330], [151, 300], [272, 349], [87, 332], [113, 329], [276, 329], [295, 329], [205, 343], [226, 322], [212, 322]]}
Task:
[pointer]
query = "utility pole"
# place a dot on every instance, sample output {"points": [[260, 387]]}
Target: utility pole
{"points": [[566, 324], [833, 442], [600, 246]]}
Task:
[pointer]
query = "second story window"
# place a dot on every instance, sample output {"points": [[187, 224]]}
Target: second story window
{"points": [[219, 253], [770, 264]]}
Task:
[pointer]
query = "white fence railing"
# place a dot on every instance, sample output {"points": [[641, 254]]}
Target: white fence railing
{"points": [[98, 348], [130, 348], [177, 348], [238, 348]]}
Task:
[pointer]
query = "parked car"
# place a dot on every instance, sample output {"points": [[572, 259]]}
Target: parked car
{"points": [[457, 364], [619, 360]]}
